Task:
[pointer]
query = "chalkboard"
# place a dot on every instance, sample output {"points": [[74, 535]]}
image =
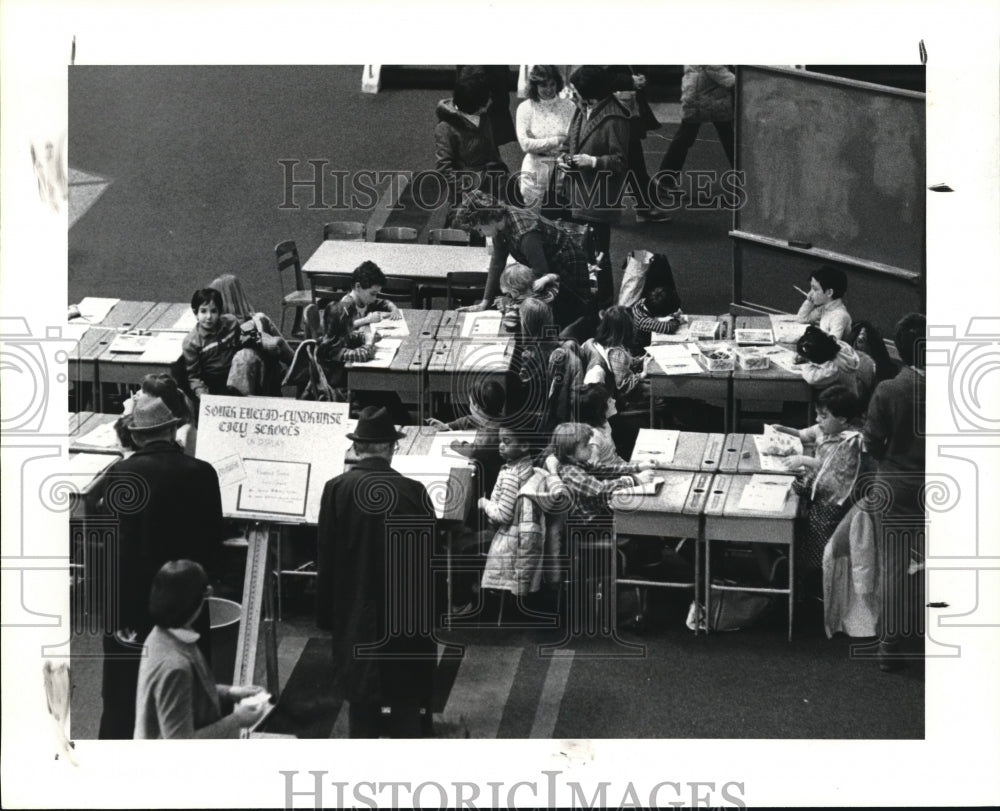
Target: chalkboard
{"points": [[273, 455], [834, 166]]}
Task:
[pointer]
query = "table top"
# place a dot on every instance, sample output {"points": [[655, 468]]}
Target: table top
{"points": [[727, 489], [654, 370], [415, 351], [694, 451], [122, 316], [483, 354], [411, 260], [682, 493], [459, 490], [81, 424]]}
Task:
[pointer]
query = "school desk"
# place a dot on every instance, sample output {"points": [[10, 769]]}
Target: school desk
{"points": [[741, 455], [773, 384], [411, 260], [461, 363], [166, 324], [711, 386], [694, 450], [406, 373], [83, 365], [726, 521]]}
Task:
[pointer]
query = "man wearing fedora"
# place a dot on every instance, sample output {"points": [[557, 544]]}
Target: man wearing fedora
{"points": [[164, 505], [376, 529]]}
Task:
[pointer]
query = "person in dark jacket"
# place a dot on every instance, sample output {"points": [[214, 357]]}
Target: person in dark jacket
{"points": [[164, 506], [465, 149], [497, 78], [595, 162], [377, 527]]}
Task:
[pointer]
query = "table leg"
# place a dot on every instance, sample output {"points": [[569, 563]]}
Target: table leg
{"points": [[698, 543], [791, 590], [708, 583]]}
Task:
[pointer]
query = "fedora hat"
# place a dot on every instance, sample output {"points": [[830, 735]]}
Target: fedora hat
{"points": [[375, 425], [150, 413]]}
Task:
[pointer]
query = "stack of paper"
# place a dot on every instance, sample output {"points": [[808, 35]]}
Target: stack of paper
{"points": [[490, 357], [754, 337], [674, 359], [765, 492], [164, 347], [95, 310], [385, 351], [392, 328], [130, 343]]}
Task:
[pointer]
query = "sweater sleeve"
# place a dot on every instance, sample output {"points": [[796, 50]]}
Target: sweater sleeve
{"points": [[615, 159], [191, 349], [647, 323], [820, 374], [620, 361], [528, 142], [532, 246], [175, 703], [500, 509]]}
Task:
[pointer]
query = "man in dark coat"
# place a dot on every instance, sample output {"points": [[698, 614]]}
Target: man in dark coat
{"points": [[373, 588], [167, 507], [595, 161]]}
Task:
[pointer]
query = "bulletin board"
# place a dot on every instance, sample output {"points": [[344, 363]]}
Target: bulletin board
{"points": [[273, 455]]}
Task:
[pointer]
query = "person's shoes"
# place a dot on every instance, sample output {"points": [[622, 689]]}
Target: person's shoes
{"points": [[652, 215]]}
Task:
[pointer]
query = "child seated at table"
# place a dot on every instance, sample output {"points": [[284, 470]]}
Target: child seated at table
{"points": [[363, 302], [659, 311], [824, 304], [514, 560], [588, 487], [518, 283], [826, 477], [485, 416], [594, 407], [221, 356], [827, 360]]}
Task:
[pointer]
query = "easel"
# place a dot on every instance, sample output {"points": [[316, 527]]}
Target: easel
{"points": [[258, 595]]}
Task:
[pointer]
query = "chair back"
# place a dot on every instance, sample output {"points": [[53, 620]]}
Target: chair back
{"points": [[396, 235], [354, 231], [466, 287], [400, 291], [448, 236], [330, 286], [287, 255], [313, 326]]}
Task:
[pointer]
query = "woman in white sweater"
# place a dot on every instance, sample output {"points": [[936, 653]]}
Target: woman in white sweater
{"points": [[542, 125]]}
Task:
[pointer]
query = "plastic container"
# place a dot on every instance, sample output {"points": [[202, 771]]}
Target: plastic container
{"points": [[224, 617], [752, 359], [717, 357]]}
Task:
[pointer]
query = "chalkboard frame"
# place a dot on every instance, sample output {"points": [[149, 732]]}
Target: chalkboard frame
{"points": [[912, 277]]}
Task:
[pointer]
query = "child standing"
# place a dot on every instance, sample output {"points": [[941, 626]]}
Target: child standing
{"points": [[824, 304], [827, 477], [518, 283], [659, 311], [514, 561], [362, 302]]}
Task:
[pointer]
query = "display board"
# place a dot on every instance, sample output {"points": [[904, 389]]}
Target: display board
{"points": [[833, 168], [273, 455]]}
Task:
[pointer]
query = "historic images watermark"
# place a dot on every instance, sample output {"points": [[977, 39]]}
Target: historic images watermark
{"points": [[308, 184], [548, 790]]}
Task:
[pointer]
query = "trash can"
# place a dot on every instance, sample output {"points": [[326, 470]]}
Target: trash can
{"points": [[224, 617]]}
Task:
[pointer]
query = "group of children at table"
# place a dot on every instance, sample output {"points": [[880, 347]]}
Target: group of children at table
{"points": [[582, 456]]}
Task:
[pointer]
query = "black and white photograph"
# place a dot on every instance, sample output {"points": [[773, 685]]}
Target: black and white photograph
{"points": [[570, 434]]}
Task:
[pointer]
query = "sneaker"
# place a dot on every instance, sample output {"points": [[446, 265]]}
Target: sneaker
{"points": [[652, 215]]}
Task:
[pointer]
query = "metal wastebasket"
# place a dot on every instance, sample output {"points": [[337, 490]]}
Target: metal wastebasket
{"points": [[224, 617]]}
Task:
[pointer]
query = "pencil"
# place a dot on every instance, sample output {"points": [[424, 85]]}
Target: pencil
{"points": [[803, 292]]}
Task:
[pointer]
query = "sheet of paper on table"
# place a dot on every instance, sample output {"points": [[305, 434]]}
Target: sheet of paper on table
{"points": [[164, 347], [441, 445], [103, 436], [85, 467], [765, 492], [129, 343], [656, 446], [482, 325], [675, 359], [644, 489], [786, 329], [95, 310], [753, 337], [434, 473], [385, 351], [784, 358], [485, 357], [392, 328], [682, 335]]}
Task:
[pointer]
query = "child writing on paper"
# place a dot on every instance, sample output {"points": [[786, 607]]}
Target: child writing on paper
{"points": [[827, 360], [826, 478], [588, 486], [518, 283], [659, 311], [824, 304], [362, 302]]}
